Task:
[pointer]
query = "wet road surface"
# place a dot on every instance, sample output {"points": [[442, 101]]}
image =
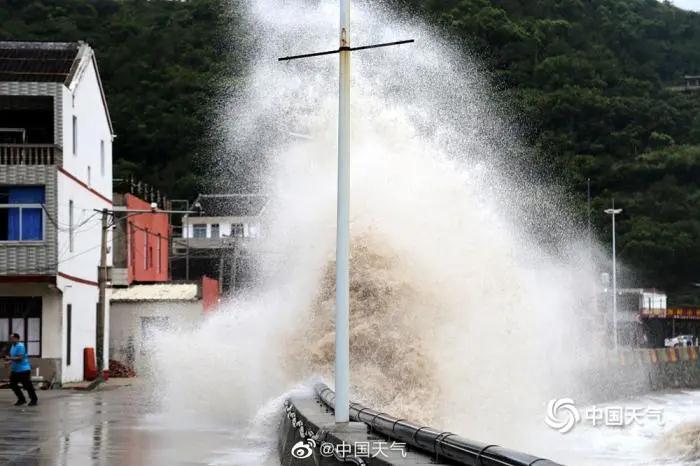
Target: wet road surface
{"points": [[115, 425]]}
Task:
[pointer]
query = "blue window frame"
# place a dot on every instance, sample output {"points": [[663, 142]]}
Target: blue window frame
{"points": [[21, 213]]}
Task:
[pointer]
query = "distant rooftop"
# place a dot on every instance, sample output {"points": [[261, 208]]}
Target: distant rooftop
{"points": [[232, 205], [157, 292], [39, 61]]}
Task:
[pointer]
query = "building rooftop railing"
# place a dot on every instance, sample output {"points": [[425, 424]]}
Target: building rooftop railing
{"points": [[30, 154]]}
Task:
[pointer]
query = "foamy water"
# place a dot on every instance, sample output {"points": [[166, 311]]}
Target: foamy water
{"points": [[672, 440], [469, 279]]}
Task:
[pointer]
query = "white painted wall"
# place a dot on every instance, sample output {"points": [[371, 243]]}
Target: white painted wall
{"points": [[84, 100], [125, 322], [85, 103], [81, 261], [51, 327], [251, 225], [83, 299]]}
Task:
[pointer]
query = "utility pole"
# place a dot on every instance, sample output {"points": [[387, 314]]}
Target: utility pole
{"points": [[102, 284], [342, 254], [342, 249], [613, 212], [594, 288]]}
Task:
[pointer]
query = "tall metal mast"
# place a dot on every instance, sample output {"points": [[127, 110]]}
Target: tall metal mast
{"points": [[342, 253]]}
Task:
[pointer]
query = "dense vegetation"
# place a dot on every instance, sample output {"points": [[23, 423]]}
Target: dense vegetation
{"points": [[590, 78], [160, 62]]}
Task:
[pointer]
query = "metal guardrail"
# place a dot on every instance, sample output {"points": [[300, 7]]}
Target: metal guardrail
{"points": [[441, 444]]}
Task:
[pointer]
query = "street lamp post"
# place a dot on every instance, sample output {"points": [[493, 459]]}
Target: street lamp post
{"points": [[613, 212], [342, 263]]}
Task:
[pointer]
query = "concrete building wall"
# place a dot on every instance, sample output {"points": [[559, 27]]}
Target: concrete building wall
{"points": [[79, 183], [83, 184], [86, 104], [93, 133], [32, 257], [251, 225], [87, 191], [129, 320], [83, 300], [36, 258], [50, 310], [80, 257], [51, 324], [148, 241], [55, 90]]}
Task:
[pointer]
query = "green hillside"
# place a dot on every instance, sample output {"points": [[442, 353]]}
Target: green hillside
{"points": [[161, 63], [589, 77]]}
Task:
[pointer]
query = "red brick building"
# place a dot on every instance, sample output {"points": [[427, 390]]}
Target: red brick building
{"points": [[141, 243]]}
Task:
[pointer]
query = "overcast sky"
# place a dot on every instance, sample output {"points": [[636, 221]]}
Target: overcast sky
{"points": [[688, 4]]}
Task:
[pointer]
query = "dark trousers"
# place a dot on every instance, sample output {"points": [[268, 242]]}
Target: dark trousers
{"points": [[24, 378]]}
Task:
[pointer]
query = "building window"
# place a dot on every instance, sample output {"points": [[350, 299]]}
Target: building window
{"points": [[71, 233], [102, 157], [145, 249], [215, 230], [69, 331], [132, 246], [89, 178], [21, 213], [199, 230], [159, 252], [23, 316], [75, 135], [237, 230]]}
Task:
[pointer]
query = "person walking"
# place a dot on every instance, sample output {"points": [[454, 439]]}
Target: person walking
{"points": [[20, 372]]}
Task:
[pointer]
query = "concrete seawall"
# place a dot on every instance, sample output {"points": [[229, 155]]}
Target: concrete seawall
{"points": [[308, 422], [643, 370], [308, 425], [309, 436]]}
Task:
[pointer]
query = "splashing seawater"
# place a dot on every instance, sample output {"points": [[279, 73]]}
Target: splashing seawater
{"points": [[469, 279]]}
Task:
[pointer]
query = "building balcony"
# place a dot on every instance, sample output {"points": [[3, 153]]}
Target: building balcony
{"points": [[180, 245], [30, 154]]}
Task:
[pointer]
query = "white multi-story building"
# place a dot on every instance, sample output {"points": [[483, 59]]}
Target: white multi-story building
{"points": [[218, 240], [225, 216], [55, 173]]}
